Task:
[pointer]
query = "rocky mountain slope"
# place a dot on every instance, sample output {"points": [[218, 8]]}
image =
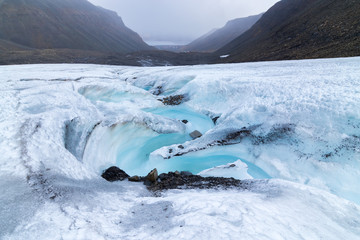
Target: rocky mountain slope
{"points": [[300, 29], [70, 24], [218, 38], [10, 46], [143, 58]]}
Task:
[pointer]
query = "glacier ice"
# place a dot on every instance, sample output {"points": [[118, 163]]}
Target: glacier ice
{"points": [[291, 126]]}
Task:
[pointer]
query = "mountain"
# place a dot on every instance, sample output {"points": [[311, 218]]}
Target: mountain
{"points": [[10, 46], [71, 24], [218, 38], [299, 29], [19, 55]]}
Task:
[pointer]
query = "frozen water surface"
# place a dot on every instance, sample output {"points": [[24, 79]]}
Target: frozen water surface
{"points": [[292, 128]]}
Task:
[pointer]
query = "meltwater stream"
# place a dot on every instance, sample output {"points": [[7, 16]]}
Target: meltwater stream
{"points": [[129, 145]]}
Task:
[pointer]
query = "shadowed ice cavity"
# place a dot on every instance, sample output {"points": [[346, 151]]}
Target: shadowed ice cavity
{"points": [[76, 135], [129, 145]]}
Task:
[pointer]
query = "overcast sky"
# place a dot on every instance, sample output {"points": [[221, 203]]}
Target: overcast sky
{"points": [[180, 21]]}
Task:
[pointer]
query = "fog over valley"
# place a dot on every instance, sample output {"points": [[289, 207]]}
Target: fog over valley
{"points": [[180, 21]]}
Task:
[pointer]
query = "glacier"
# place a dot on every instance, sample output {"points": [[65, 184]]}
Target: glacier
{"points": [[289, 129]]}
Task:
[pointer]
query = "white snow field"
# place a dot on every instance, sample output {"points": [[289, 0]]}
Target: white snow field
{"points": [[289, 129]]}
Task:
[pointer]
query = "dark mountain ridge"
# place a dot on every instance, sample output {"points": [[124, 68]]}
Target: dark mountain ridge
{"points": [[300, 29], [218, 38], [66, 24], [291, 29]]}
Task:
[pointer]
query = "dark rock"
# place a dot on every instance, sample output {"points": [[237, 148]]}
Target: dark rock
{"points": [[162, 176], [195, 134], [148, 183], [173, 100], [232, 165], [114, 174], [181, 146], [170, 150], [152, 176], [215, 119], [158, 90], [184, 121], [173, 180], [176, 180], [186, 173], [134, 179]]}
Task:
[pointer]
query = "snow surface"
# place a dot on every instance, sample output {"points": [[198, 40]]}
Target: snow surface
{"points": [[62, 125], [224, 56]]}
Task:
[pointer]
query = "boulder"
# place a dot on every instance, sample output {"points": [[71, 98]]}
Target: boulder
{"points": [[186, 173], [114, 174], [152, 176], [195, 134], [134, 179], [163, 176], [215, 119]]}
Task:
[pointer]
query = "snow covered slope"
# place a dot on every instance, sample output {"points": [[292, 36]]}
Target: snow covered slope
{"points": [[292, 127]]}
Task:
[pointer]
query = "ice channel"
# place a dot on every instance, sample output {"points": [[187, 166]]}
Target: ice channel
{"points": [[303, 122], [129, 145]]}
